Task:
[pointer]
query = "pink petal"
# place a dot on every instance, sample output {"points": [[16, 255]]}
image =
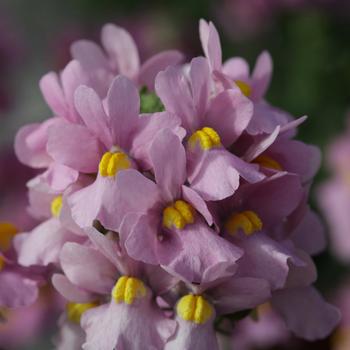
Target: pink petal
{"points": [[43, 245], [194, 263], [262, 75], [69, 291], [87, 268], [157, 63], [90, 55], [170, 172], [90, 108], [310, 234], [200, 84], [148, 127], [173, 89], [121, 49], [74, 146], [16, 291], [210, 43], [30, 144], [53, 94], [198, 203], [229, 114], [123, 110], [236, 68], [306, 314], [240, 293]]}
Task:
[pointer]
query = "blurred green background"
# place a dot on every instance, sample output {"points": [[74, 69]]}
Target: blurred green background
{"points": [[308, 40]]}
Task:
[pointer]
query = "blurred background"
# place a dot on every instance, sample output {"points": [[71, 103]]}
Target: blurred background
{"points": [[308, 40]]}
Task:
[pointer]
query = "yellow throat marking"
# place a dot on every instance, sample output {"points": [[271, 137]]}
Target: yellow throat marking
{"points": [[56, 206], [178, 215], [244, 87], [7, 232], [267, 162], [247, 221], [127, 289], [206, 137], [76, 310], [111, 163], [194, 308]]}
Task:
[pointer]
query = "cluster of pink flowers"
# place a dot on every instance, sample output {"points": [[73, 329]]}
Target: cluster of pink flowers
{"points": [[171, 197]]}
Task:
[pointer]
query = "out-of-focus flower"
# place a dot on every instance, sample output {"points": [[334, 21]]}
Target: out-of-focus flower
{"points": [[334, 196]]}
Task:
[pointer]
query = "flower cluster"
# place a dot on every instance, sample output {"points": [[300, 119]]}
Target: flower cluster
{"points": [[172, 199]]}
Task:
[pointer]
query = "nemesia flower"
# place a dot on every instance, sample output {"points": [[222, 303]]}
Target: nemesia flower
{"points": [[173, 219], [235, 72], [212, 124], [334, 196], [171, 197], [130, 290]]}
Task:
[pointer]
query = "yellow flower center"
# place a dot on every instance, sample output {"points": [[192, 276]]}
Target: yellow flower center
{"points": [[206, 138], [244, 87], [267, 162], [247, 221], [194, 308], [2, 262], [127, 289], [76, 310], [178, 215], [7, 232], [111, 163], [56, 206]]}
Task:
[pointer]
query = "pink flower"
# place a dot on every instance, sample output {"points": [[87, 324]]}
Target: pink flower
{"points": [[131, 286], [235, 72]]}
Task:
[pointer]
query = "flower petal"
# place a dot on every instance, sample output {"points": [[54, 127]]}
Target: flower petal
{"points": [[261, 75], [156, 64], [123, 103], [121, 49], [74, 146], [16, 290], [170, 172], [306, 314], [87, 268], [69, 291], [229, 114], [90, 108]]}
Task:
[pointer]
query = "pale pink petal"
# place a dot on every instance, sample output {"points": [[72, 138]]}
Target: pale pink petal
{"points": [[262, 75], [90, 55], [87, 268], [71, 292], [240, 293], [236, 68], [148, 127], [200, 85], [53, 94], [305, 312], [229, 114], [156, 64], [74, 146], [123, 110], [174, 91], [30, 144], [121, 49], [170, 172], [16, 290], [90, 108]]}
